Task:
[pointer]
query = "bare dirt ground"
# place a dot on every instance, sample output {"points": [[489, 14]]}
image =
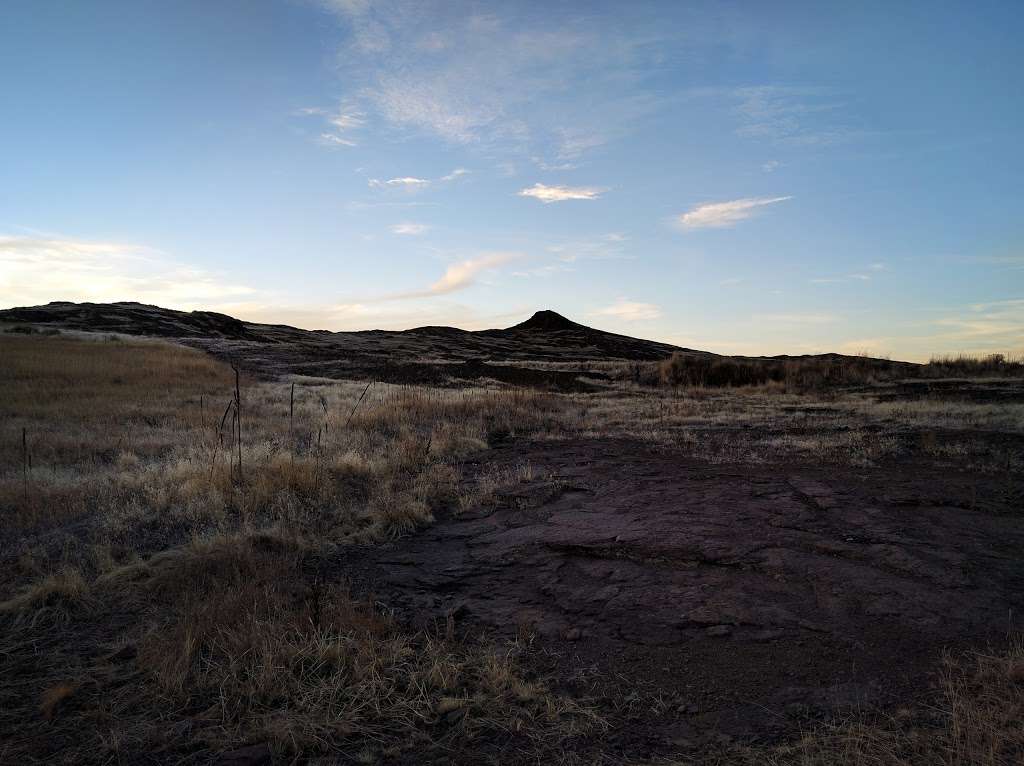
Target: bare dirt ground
{"points": [[735, 601]]}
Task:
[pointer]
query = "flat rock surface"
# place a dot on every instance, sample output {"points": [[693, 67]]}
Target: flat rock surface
{"points": [[745, 590]]}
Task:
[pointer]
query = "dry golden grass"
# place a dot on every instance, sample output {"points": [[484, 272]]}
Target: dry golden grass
{"points": [[133, 449], [138, 532], [229, 640], [161, 600]]}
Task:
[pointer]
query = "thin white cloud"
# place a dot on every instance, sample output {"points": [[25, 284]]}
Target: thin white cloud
{"points": [[574, 142], [343, 121], [999, 323], [330, 139], [346, 120], [37, 270], [795, 115], [548, 194], [502, 81], [771, 166], [409, 183], [463, 274], [457, 173], [409, 229], [720, 215], [855, 277], [606, 248], [457, 276], [630, 311]]}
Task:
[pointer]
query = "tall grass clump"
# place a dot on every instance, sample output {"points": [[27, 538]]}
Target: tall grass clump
{"points": [[966, 366], [800, 374]]}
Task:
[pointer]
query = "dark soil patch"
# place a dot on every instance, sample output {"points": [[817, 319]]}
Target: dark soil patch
{"points": [[705, 602]]}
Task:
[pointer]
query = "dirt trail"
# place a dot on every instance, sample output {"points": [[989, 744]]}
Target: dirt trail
{"points": [[751, 595]]}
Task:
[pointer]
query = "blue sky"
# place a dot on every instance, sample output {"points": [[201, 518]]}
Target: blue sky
{"points": [[737, 177]]}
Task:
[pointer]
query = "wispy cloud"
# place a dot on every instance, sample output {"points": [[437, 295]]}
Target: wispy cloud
{"points": [[502, 81], [630, 311], [873, 268], [457, 276], [547, 194], [461, 275], [720, 215], [409, 229], [987, 325], [340, 123], [413, 183], [41, 269], [330, 139], [408, 183], [603, 248], [795, 115], [457, 173]]}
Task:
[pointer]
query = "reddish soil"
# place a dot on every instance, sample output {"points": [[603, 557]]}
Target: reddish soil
{"points": [[724, 601]]}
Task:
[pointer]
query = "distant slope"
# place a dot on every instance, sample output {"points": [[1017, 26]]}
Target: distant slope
{"points": [[546, 332], [419, 355], [407, 355]]}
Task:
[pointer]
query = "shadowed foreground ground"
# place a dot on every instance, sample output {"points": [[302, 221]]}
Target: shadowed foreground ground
{"points": [[756, 597]]}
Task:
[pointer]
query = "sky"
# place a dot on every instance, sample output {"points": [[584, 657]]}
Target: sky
{"points": [[749, 178]]}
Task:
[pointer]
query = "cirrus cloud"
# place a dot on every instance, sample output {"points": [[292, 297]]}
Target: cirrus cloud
{"points": [[720, 215], [409, 183], [630, 311], [38, 269], [463, 274], [409, 229], [548, 194]]}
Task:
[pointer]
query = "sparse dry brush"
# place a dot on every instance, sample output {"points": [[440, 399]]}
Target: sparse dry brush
{"points": [[130, 442], [228, 640], [163, 585], [137, 533], [992, 365]]}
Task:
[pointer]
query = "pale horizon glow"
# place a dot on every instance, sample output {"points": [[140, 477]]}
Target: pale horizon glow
{"points": [[794, 178]]}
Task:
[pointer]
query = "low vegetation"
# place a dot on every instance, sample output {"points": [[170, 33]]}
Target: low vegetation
{"points": [[976, 718], [963, 366], [167, 589], [796, 374]]}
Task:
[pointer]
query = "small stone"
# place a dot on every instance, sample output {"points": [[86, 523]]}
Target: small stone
{"points": [[573, 634], [719, 631]]}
